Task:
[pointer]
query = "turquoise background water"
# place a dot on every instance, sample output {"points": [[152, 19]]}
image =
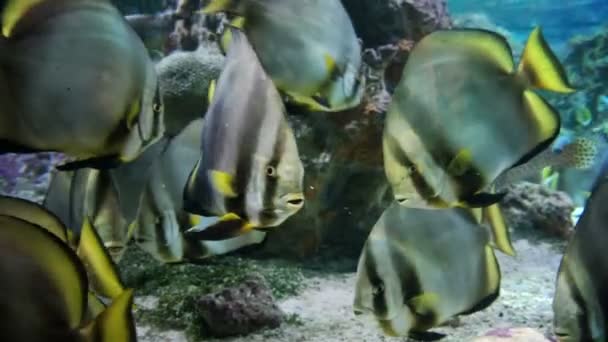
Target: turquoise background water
{"points": [[560, 19]]}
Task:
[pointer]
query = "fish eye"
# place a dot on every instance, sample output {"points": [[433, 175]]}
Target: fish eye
{"points": [[378, 290], [157, 107], [412, 169], [271, 171]]}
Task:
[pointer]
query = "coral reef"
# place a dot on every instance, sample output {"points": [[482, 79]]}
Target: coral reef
{"points": [[27, 175], [529, 206], [185, 77], [587, 68], [240, 310]]}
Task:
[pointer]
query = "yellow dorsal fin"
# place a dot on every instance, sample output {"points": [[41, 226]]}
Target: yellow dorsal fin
{"points": [[102, 270], [226, 37], [211, 92], [218, 6], [223, 183], [13, 12], [546, 119], [34, 213], [115, 324], [540, 67], [461, 163], [501, 239], [488, 45]]}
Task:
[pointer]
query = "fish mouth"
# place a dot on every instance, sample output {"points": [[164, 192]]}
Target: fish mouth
{"points": [[294, 201]]}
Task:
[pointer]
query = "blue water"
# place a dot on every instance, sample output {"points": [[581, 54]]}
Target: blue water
{"points": [[560, 19]]}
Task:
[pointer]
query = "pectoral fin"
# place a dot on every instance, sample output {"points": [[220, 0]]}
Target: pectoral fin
{"points": [[225, 227]]}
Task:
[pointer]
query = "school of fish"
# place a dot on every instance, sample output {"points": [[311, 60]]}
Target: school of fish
{"points": [[465, 121]]}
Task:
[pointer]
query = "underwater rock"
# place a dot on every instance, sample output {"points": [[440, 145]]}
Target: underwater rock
{"points": [[386, 22], [184, 77], [529, 206], [240, 310], [512, 335]]}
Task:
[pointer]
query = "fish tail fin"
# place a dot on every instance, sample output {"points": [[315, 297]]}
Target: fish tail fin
{"points": [[232, 6], [106, 280], [114, 324], [583, 153], [501, 239], [540, 67]]}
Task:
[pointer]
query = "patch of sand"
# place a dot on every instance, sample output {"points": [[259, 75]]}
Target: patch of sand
{"points": [[324, 308]]}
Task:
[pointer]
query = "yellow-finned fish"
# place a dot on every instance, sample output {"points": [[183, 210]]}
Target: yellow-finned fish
{"points": [[250, 169], [580, 305], [415, 274], [45, 294], [75, 78], [161, 221], [308, 48], [104, 278], [462, 115], [109, 198]]}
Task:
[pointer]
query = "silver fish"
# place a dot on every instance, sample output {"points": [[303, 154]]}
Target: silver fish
{"points": [[414, 273], [250, 167]]}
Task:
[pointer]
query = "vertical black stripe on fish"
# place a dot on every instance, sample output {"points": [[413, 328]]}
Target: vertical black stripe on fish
{"points": [[378, 289], [443, 153], [271, 188], [411, 287], [424, 189]]}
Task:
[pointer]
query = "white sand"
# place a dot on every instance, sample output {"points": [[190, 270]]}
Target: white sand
{"points": [[325, 310]]}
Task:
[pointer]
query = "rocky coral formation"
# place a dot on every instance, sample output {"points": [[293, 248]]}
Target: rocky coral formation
{"points": [[27, 175], [240, 310], [587, 68], [185, 77], [529, 206]]}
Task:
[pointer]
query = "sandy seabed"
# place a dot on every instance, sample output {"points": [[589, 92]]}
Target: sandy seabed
{"points": [[324, 308]]}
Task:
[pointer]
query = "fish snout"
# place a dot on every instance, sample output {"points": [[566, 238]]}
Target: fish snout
{"points": [[115, 249], [294, 201]]}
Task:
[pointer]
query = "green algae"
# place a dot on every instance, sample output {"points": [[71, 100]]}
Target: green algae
{"points": [[179, 286]]}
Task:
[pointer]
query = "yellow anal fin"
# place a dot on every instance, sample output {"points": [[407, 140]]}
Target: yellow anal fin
{"points": [[461, 163], [211, 92], [115, 324], [425, 303], [540, 67], [501, 238], [13, 12], [223, 183], [492, 270], [228, 226], [194, 220], [98, 262], [546, 119]]}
